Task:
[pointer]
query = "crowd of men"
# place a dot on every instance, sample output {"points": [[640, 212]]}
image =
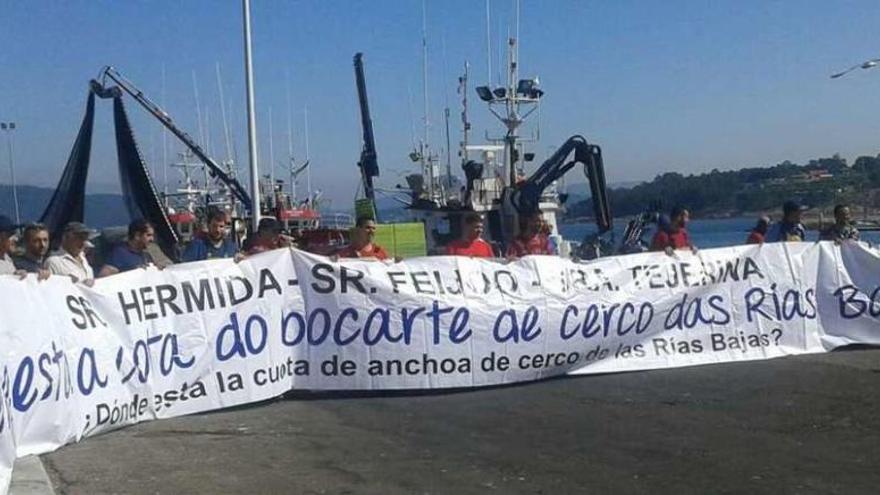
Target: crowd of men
{"points": [[71, 257], [34, 256], [30, 253], [672, 231], [534, 238]]}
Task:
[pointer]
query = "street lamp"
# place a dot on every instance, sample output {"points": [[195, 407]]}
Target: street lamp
{"points": [[7, 128], [867, 64]]}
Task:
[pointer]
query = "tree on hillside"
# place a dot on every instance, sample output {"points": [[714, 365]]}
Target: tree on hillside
{"points": [[870, 167], [750, 189]]}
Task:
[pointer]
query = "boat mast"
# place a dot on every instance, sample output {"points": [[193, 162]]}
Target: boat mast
{"points": [[427, 165], [448, 183], [465, 125], [488, 46], [226, 138], [252, 123], [271, 155], [448, 152], [512, 107], [308, 158], [291, 162], [513, 94], [202, 135]]}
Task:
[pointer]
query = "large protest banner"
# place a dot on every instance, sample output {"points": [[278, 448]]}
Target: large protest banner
{"points": [[77, 361]]}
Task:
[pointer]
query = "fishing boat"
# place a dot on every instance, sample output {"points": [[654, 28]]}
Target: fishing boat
{"points": [[205, 184], [496, 182]]}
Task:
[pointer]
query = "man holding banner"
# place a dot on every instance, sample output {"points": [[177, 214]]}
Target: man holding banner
{"points": [[7, 242], [471, 242]]}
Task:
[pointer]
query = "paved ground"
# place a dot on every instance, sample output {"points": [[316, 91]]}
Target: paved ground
{"points": [[796, 425]]}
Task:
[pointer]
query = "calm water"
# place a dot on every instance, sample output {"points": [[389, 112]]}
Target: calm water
{"points": [[704, 233]]}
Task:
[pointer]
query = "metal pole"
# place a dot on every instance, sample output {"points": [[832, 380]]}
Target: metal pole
{"points": [[252, 121], [448, 153], [11, 127]]}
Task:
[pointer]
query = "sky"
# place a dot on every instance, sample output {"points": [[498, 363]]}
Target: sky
{"points": [[678, 85]]}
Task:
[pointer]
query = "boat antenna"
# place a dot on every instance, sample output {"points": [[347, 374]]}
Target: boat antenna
{"points": [[226, 138], [427, 171], [235, 161], [448, 152], [291, 164], [465, 124], [271, 153], [202, 139], [446, 118], [517, 4], [412, 120], [289, 119], [501, 43], [488, 44], [198, 109], [207, 132], [308, 155], [252, 121]]}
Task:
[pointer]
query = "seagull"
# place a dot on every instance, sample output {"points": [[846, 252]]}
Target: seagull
{"points": [[864, 65]]}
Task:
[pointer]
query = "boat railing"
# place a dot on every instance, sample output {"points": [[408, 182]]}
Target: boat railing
{"points": [[340, 221]]}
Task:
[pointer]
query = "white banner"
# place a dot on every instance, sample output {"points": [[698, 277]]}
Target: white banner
{"points": [[78, 361]]}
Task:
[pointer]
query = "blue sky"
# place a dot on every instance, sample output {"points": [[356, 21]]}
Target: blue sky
{"points": [[681, 86]]}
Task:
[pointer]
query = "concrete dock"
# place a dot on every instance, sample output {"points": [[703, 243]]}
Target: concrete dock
{"points": [[808, 424]]}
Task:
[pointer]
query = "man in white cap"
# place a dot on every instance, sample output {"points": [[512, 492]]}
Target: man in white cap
{"points": [[71, 260], [7, 243]]}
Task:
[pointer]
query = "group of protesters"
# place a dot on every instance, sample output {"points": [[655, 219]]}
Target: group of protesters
{"points": [[672, 233], [34, 256], [70, 258], [533, 238]]}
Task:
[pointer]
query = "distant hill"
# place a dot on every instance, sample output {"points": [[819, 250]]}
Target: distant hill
{"points": [[102, 210]]}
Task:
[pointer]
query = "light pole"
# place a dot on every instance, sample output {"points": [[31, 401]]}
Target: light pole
{"points": [[7, 128], [867, 64], [251, 119]]}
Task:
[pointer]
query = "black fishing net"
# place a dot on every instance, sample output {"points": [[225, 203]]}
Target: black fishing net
{"points": [[138, 190], [68, 200]]}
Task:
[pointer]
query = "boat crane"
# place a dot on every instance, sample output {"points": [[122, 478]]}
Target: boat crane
{"points": [[368, 163], [214, 170]]}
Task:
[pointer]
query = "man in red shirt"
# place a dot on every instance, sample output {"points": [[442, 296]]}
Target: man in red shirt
{"points": [[531, 239], [470, 243], [267, 237], [757, 235], [362, 245], [675, 236]]}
